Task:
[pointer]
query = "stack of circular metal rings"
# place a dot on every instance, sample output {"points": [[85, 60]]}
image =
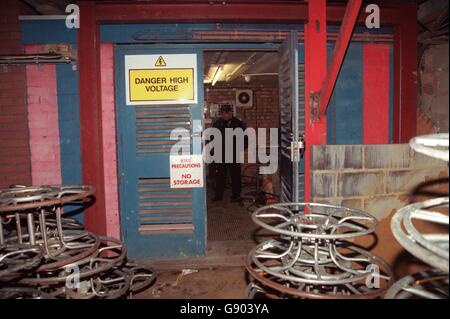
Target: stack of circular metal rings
{"points": [[431, 248], [44, 254], [312, 255]]}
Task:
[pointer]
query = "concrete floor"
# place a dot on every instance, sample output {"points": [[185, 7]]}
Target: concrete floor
{"points": [[219, 274], [206, 283]]}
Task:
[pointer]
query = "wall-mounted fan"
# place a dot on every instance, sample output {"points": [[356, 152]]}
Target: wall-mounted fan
{"points": [[244, 98]]}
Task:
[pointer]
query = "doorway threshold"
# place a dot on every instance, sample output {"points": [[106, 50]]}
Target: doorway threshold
{"points": [[218, 254]]}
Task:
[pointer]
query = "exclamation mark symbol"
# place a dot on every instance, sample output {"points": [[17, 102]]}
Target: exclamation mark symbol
{"points": [[160, 62]]}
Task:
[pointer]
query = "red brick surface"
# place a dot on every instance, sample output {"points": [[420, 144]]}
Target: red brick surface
{"points": [[15, 165], [265, 110], [43, 123]]}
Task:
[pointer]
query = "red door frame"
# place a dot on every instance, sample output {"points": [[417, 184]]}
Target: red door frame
{"points": [[405, 75], [93, 13], [315, 73]]}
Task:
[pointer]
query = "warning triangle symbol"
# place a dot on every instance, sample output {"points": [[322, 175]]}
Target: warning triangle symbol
{"points": [[160, 62]]}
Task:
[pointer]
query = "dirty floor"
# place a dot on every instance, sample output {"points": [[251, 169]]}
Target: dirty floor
{"points": [[207, 283], [221, 273]]}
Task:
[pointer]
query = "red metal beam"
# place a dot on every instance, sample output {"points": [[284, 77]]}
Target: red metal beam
{"points": [[315, 72], [375, 93], [90, 116], [267, 12], [202, 12], [405, 75], [345, 33]]}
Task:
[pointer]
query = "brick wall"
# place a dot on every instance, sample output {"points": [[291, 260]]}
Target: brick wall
{"points": [[263, 114], [265, 110], [378, 179], [14, 146], [43, 126]]}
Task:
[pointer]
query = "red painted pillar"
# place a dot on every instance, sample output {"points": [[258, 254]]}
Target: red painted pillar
{"points": [[315, 72], [91, 116], [376, 93], [109, 140], [405, 75]]}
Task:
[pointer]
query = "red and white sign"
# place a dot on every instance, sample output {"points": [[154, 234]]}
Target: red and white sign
{"points": [[186, 171]]}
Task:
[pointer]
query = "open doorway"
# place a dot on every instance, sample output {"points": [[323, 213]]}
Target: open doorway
{"points": [[248, 81]]}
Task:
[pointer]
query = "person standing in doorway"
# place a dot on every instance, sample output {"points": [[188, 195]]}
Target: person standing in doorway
{"points": [[227, 120]]}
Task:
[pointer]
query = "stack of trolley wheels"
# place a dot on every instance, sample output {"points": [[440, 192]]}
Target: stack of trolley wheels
{"points": [[431, 248], [45, 254], [311, 254]]}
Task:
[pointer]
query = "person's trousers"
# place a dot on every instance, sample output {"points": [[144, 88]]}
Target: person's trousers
{"points": [[221, 176]]}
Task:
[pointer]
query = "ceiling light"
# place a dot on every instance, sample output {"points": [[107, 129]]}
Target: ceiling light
{"points": [[217, 75], [229, 76]]}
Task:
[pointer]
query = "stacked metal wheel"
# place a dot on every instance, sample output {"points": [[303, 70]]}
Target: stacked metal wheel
{"points": [[44, 254], [430, 247], [312, 254]]}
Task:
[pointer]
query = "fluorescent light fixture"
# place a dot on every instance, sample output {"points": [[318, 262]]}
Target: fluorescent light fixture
{"points": [[229, 76], [217, 75]]}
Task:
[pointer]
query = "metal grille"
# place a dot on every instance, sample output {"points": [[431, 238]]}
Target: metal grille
{"points": [[285, 141], [289, 88], [154, 125], [164, 209], [301, 122]]}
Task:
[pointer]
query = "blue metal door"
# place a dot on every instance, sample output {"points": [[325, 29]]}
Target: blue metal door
{"points": [[291, 99], [157, 221]]}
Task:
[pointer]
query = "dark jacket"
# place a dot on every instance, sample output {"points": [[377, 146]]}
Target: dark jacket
{"points": [[233, 123]]}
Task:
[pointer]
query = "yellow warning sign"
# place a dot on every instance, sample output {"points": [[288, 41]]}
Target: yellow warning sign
{"points": [[161, 84], [160, 61], [153, 79]]}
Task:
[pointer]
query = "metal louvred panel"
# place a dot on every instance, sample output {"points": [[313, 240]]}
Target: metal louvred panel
{"points": [[286, 129], [301, 124], [289, 117], [164, 209], [154, 125], [301, 98]]}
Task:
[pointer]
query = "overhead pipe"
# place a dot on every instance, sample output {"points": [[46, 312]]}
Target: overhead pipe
{"points": [[34, 59]]}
